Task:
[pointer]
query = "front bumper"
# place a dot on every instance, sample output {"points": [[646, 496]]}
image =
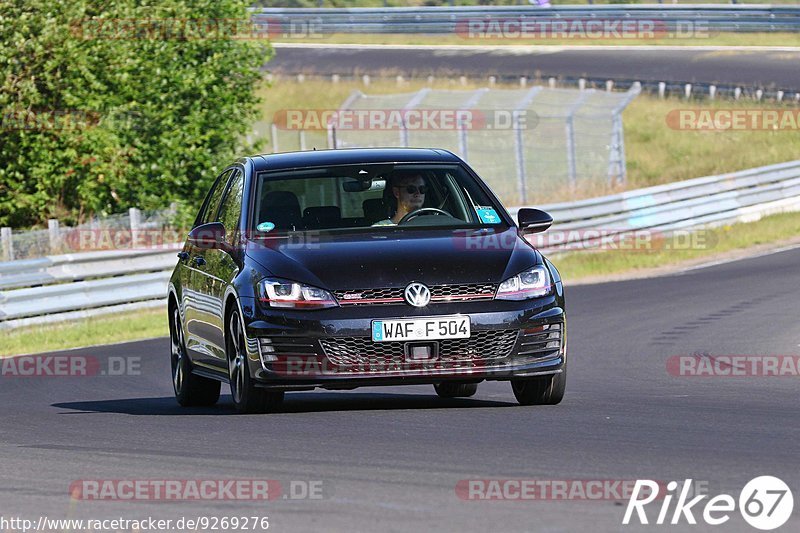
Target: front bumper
{"points": [[299, 355]]}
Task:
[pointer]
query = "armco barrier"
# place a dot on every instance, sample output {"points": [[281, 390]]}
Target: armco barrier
{"points": [[45, 290], [81, 266], [53, 299], [448, 20], [727, 198], [62, 287]]}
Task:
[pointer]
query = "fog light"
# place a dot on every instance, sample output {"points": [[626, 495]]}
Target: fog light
{"points": [[266, 349]]}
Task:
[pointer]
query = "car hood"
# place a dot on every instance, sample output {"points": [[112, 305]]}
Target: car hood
{"points": [[394, 258]]}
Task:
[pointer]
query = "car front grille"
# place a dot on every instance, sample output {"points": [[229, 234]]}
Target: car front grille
{"points": [[363, 351], [439, 293], [307, 356]]}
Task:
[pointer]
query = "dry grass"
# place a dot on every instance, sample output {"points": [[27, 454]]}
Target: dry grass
{"points": [[657, 153]]}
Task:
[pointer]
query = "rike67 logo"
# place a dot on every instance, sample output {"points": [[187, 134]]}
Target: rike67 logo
{"points": [[765, 502]]}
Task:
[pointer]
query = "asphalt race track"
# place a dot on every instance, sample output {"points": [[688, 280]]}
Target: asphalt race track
{"points": [[762, 68], [390, 459]]}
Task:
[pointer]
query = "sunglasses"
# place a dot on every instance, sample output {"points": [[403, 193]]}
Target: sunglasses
{"points": [[412, 189]]}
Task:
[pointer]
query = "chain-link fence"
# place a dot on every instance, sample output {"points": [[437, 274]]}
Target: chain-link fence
{"points": [[134, 229], [530, 144]]}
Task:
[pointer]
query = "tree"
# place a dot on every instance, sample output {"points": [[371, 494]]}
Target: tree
{"points": [[111, 105]]}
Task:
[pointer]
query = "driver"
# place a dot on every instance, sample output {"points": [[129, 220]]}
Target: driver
{"points": [[407, 193]]}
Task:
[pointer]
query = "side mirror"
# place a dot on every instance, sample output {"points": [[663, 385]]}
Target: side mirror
{"points": [[208, 236], [533, 220]]}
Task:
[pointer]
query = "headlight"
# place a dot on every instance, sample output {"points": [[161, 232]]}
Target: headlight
{"points": [[288, 294], [532, 283]]}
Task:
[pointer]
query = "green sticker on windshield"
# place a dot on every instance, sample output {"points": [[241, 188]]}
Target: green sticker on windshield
{"points": [[488, 215], [266, 227]]}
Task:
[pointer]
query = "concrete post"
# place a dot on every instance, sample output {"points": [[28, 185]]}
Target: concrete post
{"points": [[135, 217], [8, 244], [54, 235]]}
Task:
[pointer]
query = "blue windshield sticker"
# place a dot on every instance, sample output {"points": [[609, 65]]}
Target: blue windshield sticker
{"points": [[265, 227], [488, 215]]}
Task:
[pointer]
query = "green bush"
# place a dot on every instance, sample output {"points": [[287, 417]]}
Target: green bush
{"points": [[98, 118]]}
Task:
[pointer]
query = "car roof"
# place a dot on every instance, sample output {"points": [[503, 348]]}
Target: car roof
{"points": [[350, 156]]}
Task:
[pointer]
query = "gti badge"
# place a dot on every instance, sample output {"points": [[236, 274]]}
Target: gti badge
{"points": [[417, 294]]}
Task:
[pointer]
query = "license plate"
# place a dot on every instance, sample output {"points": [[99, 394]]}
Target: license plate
{"points": [[421, 329]]}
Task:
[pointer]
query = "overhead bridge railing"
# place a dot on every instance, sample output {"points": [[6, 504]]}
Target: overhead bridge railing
{"points": [[58, 288], [463, 20], [710, 201]]}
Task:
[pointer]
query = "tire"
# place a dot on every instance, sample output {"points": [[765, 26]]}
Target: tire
{"points": [[247, 398], [456, 390], [544, 390], [190, 390]]}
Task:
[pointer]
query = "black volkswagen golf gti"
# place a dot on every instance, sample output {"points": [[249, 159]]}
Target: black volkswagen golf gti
{"points": [[346, 268]]}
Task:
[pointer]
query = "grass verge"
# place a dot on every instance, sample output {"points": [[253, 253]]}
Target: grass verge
{"points": [[574, 267], [704, 244], [658, 153], [128, 326]]}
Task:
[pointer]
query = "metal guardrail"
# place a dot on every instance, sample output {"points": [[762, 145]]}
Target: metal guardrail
{"points": [[61, 287], [100, 293], [714, 200], [449, 20], [78, 267], [44, 290]]}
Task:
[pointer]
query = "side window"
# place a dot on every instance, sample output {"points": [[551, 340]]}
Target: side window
{"points": [[212, 201], [231, 208]]}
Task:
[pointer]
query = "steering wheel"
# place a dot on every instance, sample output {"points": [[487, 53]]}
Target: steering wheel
{"points": [[423, 211]]}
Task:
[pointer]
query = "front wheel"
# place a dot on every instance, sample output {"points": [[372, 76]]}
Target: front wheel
{"points": [[543, 390], [247, 398], [190, 390]]}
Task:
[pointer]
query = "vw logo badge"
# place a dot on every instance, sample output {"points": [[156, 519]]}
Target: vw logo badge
{"points": [[417, 294]]}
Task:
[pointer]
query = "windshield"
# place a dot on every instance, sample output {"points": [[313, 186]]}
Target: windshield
{"points": [[377, 197]]}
